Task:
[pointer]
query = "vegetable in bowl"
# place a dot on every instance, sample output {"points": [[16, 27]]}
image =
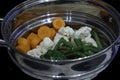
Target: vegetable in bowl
{"points": [[61, 42]]}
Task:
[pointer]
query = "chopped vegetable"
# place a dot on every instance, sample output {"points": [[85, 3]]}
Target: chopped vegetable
{"points": [[23, 48], [97, 40], [66, 31], [47, 43], [53, 32], [44, 31], [58, 23], [33, 39], [23, 45], [23, 41], [54, 55]]}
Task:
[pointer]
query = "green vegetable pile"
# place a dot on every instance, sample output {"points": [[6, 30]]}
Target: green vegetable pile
{"points": [[71, 50]]}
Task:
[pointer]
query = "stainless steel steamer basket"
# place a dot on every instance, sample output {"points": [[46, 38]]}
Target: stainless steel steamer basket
{"points": [[31, 13]]}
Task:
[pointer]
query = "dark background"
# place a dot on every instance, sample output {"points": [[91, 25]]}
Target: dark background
{"points": [[10, 71]]}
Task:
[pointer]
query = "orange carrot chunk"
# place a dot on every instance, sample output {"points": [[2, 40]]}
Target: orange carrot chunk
{"points": [[58, 23], [22, 41], [53, 33], [23, 45], [44, 31], [33, 39], [23, 48]]}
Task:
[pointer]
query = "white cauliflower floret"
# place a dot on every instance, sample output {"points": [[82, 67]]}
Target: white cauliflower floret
{"points": [[66, 31], [47, 43], [43, 50], [90, 40], [35, 53], [83, 32], [58, 37]]}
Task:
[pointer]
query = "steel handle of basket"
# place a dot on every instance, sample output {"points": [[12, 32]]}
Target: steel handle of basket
{"points": [[3, 43], [119, 36]]}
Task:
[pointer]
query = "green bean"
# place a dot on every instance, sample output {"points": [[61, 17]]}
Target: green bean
{"points": [[97, 40], [88, 53], [78, 42], [58, 44], [67, 44], [58, 55], [91, 48], [63, 42]]}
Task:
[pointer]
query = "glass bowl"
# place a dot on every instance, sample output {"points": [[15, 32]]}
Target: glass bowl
{"points": [[33, 13]]}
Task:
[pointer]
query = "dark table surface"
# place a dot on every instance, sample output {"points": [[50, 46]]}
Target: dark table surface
{"points": [[10, 71]]}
